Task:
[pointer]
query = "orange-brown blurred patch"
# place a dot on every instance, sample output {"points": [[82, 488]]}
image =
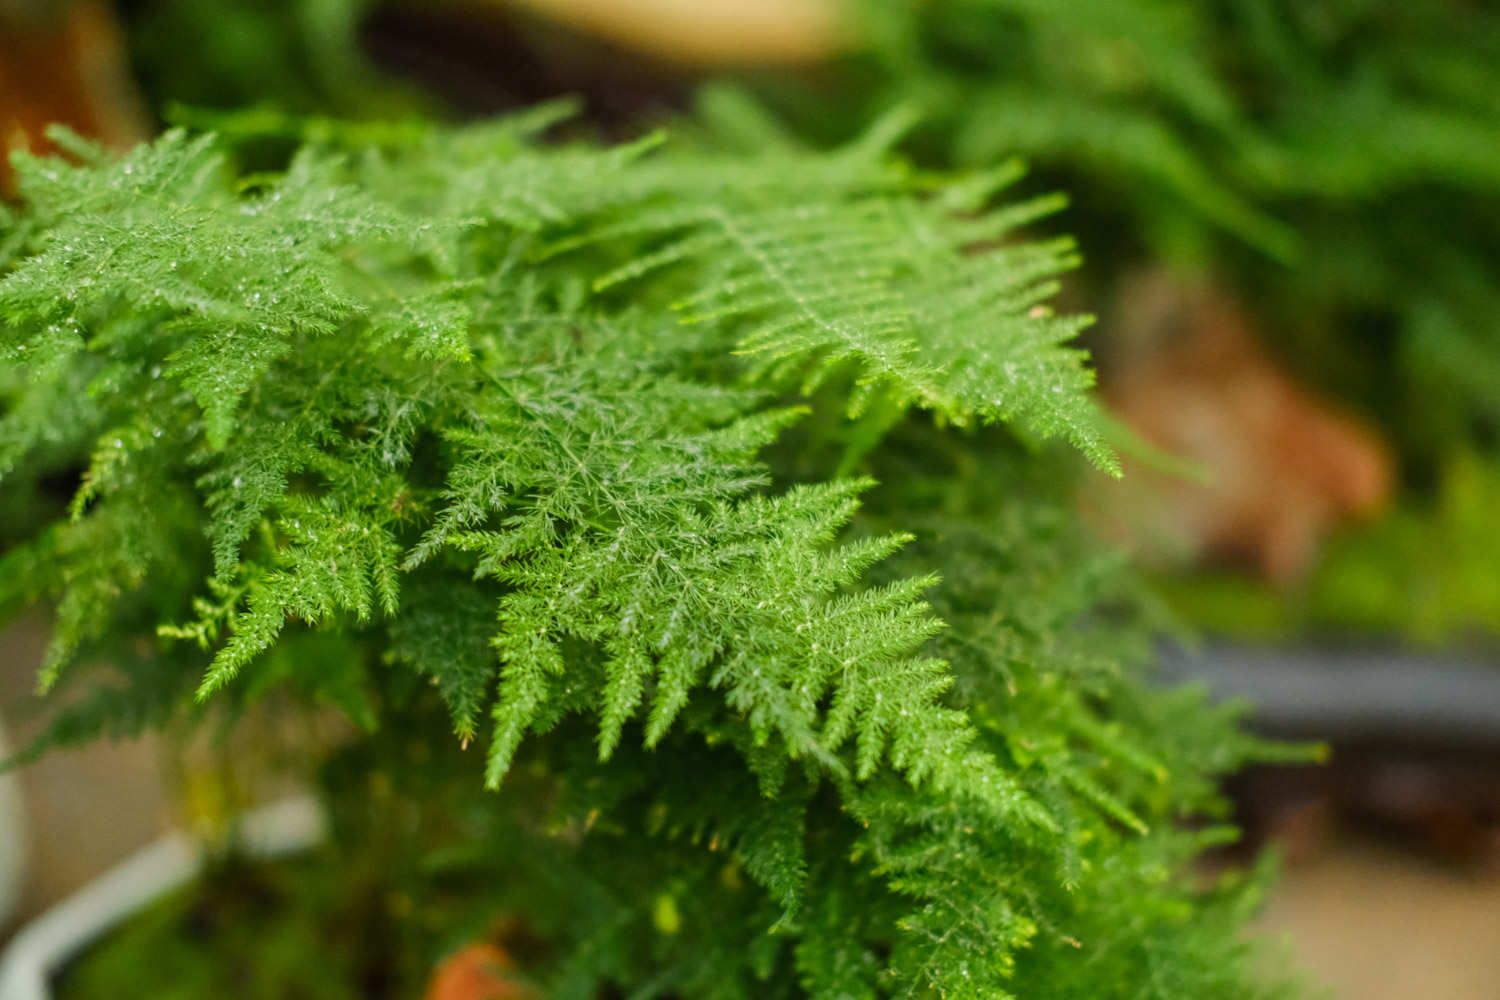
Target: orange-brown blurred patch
{"points": [[479, 971], [1282, 466], [68, 67]]}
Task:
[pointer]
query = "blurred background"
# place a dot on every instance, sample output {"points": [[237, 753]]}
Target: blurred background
{"points": [[1290, 214]]}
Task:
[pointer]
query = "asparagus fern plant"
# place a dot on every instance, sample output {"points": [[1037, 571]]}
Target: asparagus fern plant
{"points": [[695, 512]]}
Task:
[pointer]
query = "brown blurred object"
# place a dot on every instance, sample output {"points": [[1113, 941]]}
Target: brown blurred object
{"points": [[484, 59], [63, 63], [1283, 466], [707, 32], [479, 971], [1443, 806]]}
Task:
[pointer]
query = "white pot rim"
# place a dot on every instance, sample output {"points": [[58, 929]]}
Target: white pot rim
{"points": [[41, 948]]}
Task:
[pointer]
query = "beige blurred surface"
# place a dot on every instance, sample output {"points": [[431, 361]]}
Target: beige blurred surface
{"points": [[708, 32], [86, 809], [1375, 922]]}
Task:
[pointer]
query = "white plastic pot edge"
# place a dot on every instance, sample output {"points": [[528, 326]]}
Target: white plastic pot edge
{"points": [[12, 838], [41, 948]]}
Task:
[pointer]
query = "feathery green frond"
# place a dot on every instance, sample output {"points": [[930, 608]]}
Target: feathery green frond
{"points": [[437, 425]]}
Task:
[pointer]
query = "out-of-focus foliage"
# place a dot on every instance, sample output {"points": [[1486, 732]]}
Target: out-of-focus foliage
{"points": [[1350, 141], [561, 449], [1426, 571], [300, 56], [263, 933], [1332, 161]]}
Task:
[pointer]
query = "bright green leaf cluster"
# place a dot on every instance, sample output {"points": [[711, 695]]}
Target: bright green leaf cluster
{"points": [[578, 437]]}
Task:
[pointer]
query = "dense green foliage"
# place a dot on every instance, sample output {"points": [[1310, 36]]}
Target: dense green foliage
{"points": [[1331, 163], [708, 493], [1291, 126]]}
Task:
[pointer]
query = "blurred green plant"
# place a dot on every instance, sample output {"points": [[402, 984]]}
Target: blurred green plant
{"points": [[1330, 161], [1425, 572], [298, 56], [267, 932], [1350, 143]]}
